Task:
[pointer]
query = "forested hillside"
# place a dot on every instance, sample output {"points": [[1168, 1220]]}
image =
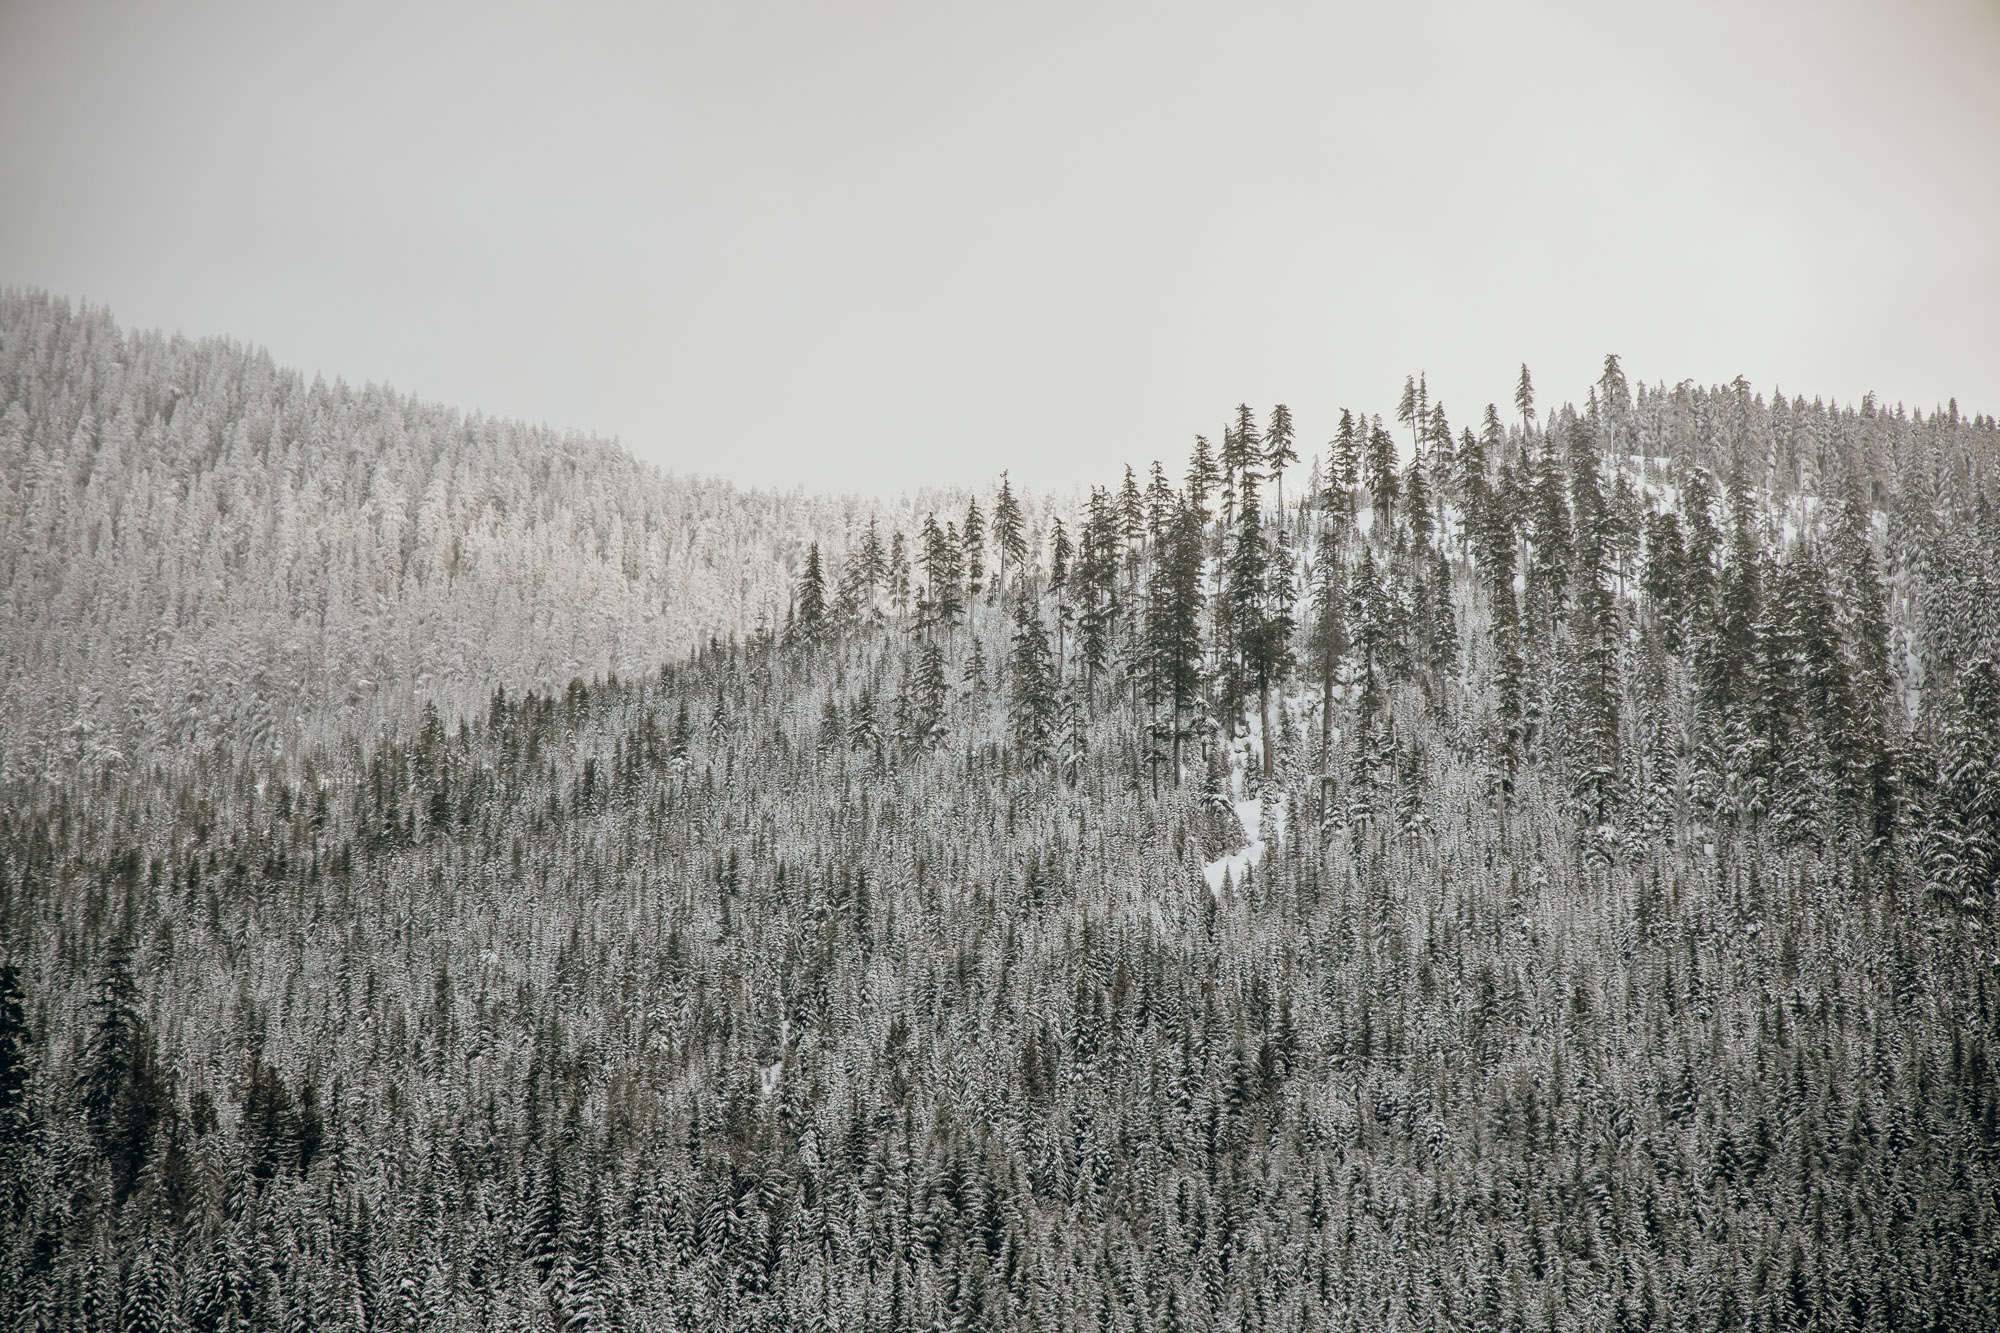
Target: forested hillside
{"points": [[201, 549], [1540, 877]]}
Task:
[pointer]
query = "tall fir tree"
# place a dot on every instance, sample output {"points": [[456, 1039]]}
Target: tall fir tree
{"points": [[1032, 688], [1416, 489], [1524, 402], [1382, 479], [1009, 532], [1279, 451], [1327, 644], [1440, 451], [1173, 624], [974, 545], [1268, 645], [1203, 477], [1595, 632], [1549, 528], [944, 574], [1371, 618], [1345, 450], [1730, 649], [1094, 583], [810, 614], [1468, 487], [126, 1094], [929, 693], [899, 573], [1665, 579], [1131, 512], [1244, 587], [1411, 412]]}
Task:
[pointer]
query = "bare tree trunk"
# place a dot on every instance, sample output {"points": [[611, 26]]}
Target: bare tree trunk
{"points": [[1264, 709], [1326, 718]]}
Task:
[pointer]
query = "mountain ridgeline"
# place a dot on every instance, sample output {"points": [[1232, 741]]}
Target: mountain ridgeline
{"points": [[1533, 876], [201, 550]]}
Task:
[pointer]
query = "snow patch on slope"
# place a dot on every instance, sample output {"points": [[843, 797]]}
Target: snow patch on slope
{"points": [[1231, 868]]}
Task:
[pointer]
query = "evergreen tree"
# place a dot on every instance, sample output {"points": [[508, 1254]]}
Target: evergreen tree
{"points": [[1279, 452], [1443, 620], [1094, 582], [1327, 644], [1131, 511], [1624, 524], [1524, 402], [1817, 772], [929, 693], [1346, 448], [874, 561], [1730, 652], [1411, 411], [1704, 544], [974, 545], [1202, 478], [811, 600], [1440, 453], [1244, 587], [1160, 503], [1173, 623], [1492, 438], [944, 575], [973, 677], [1009, 532], [1614, 400], [899, 573], [1268, 642], [1961, 852], [1665, 581], [1416, 490], [1032, 686], [1596, 633], [1867, 637], [1549, 530], [270, 1125], [1467, 484], [1509, 711], [1382, 474], [1373, 626], [14, 1064], [1241, 453], [125, 1093]]}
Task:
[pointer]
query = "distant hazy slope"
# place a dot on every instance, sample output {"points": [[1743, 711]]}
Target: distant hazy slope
{"points": [[197, 544]]}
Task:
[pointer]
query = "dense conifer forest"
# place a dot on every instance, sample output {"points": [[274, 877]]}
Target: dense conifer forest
{"points": [[1536, 874]]}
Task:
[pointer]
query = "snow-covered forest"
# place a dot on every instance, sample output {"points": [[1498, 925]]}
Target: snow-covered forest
{"points": [[1529, 873], [199, 548]]}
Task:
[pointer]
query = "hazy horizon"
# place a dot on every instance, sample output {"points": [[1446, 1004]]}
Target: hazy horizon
{"points": [[884, 249]]}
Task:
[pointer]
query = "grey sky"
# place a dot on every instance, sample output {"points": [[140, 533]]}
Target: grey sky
{"points": [[875, 246]]}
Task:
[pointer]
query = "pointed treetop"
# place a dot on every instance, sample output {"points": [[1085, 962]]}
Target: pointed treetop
{"points": [[1278, 450]]}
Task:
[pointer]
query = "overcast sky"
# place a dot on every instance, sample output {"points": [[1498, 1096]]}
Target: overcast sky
{"points": [[873, 246]]}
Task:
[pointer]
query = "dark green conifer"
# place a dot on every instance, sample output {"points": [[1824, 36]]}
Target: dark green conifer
{"points": [[1032, 686], [1382, 479], [1009, 532], [1279, 452], [811, 601], [1173, 623]]}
